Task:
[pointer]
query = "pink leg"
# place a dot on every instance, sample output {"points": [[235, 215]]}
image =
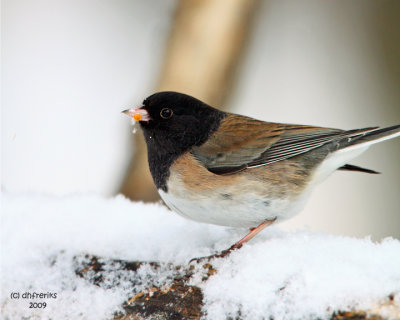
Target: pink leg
{"points": [[253, 232]]}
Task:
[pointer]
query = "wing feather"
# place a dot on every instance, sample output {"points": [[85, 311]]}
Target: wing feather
{"points": [[243, 142]]}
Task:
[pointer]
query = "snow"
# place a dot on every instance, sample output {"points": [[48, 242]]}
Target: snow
{"points": [[278, 274]]}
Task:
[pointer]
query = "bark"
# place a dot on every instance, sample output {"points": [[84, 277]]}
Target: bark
{"points": [[178, 299]]}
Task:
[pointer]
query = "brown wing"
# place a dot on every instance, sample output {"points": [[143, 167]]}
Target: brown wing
{"points": [[243, 142]]}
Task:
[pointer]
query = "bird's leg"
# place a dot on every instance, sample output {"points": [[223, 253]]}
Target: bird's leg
{"points": [[253, 232]]}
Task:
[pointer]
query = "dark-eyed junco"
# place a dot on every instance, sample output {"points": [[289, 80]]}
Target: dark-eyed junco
{"points": [[231, 170]]}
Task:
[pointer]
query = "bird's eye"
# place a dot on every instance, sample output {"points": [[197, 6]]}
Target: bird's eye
{"points": [[166, 113]]}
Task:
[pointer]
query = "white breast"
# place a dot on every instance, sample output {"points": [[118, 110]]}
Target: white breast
{"points": [[241, 210]]}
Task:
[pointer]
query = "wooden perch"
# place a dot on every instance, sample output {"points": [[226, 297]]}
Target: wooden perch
{"points": [[177, 300], [203, 50]]}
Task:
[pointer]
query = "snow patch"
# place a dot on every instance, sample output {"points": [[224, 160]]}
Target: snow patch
{"points": [[278, 274]]}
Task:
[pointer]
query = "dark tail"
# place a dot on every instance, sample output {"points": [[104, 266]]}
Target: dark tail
{"points": [[350, 167], [368, 137]]}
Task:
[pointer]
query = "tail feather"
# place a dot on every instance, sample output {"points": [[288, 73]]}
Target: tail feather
{"points": [[351, 167], [352, 145], [382, 134], [369, 137]]}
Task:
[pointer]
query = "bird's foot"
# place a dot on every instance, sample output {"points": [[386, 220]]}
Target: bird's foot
{"points": [[237, 245], [221, 254]]}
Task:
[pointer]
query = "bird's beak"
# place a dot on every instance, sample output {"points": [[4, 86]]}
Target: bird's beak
{"points": [[137, 114]]}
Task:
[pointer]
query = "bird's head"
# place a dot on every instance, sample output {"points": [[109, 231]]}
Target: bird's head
{"points": [[173, 120]]}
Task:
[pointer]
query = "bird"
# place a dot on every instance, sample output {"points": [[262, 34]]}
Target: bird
{"points": [[231, 170]]}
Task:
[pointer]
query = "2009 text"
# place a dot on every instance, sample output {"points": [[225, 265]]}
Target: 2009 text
{"points": [[35, 305]]}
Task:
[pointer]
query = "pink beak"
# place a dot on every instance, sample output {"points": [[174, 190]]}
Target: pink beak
{"points": [[138, 114]]}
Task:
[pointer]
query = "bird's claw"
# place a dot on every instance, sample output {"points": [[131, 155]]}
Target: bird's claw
{"points": [[221, 254]]}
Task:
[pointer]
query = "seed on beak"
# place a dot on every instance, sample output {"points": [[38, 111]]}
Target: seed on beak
{"points": [[138, 114]]}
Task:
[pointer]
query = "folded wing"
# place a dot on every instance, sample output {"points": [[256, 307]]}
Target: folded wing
{"points": [[243, 143]]}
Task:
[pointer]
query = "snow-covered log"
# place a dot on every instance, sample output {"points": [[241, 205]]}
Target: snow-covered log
{"points": [[179, 298], [51, 249]]}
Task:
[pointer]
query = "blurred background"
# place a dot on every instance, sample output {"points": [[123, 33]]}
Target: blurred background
{"points": [[69, 67]]}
